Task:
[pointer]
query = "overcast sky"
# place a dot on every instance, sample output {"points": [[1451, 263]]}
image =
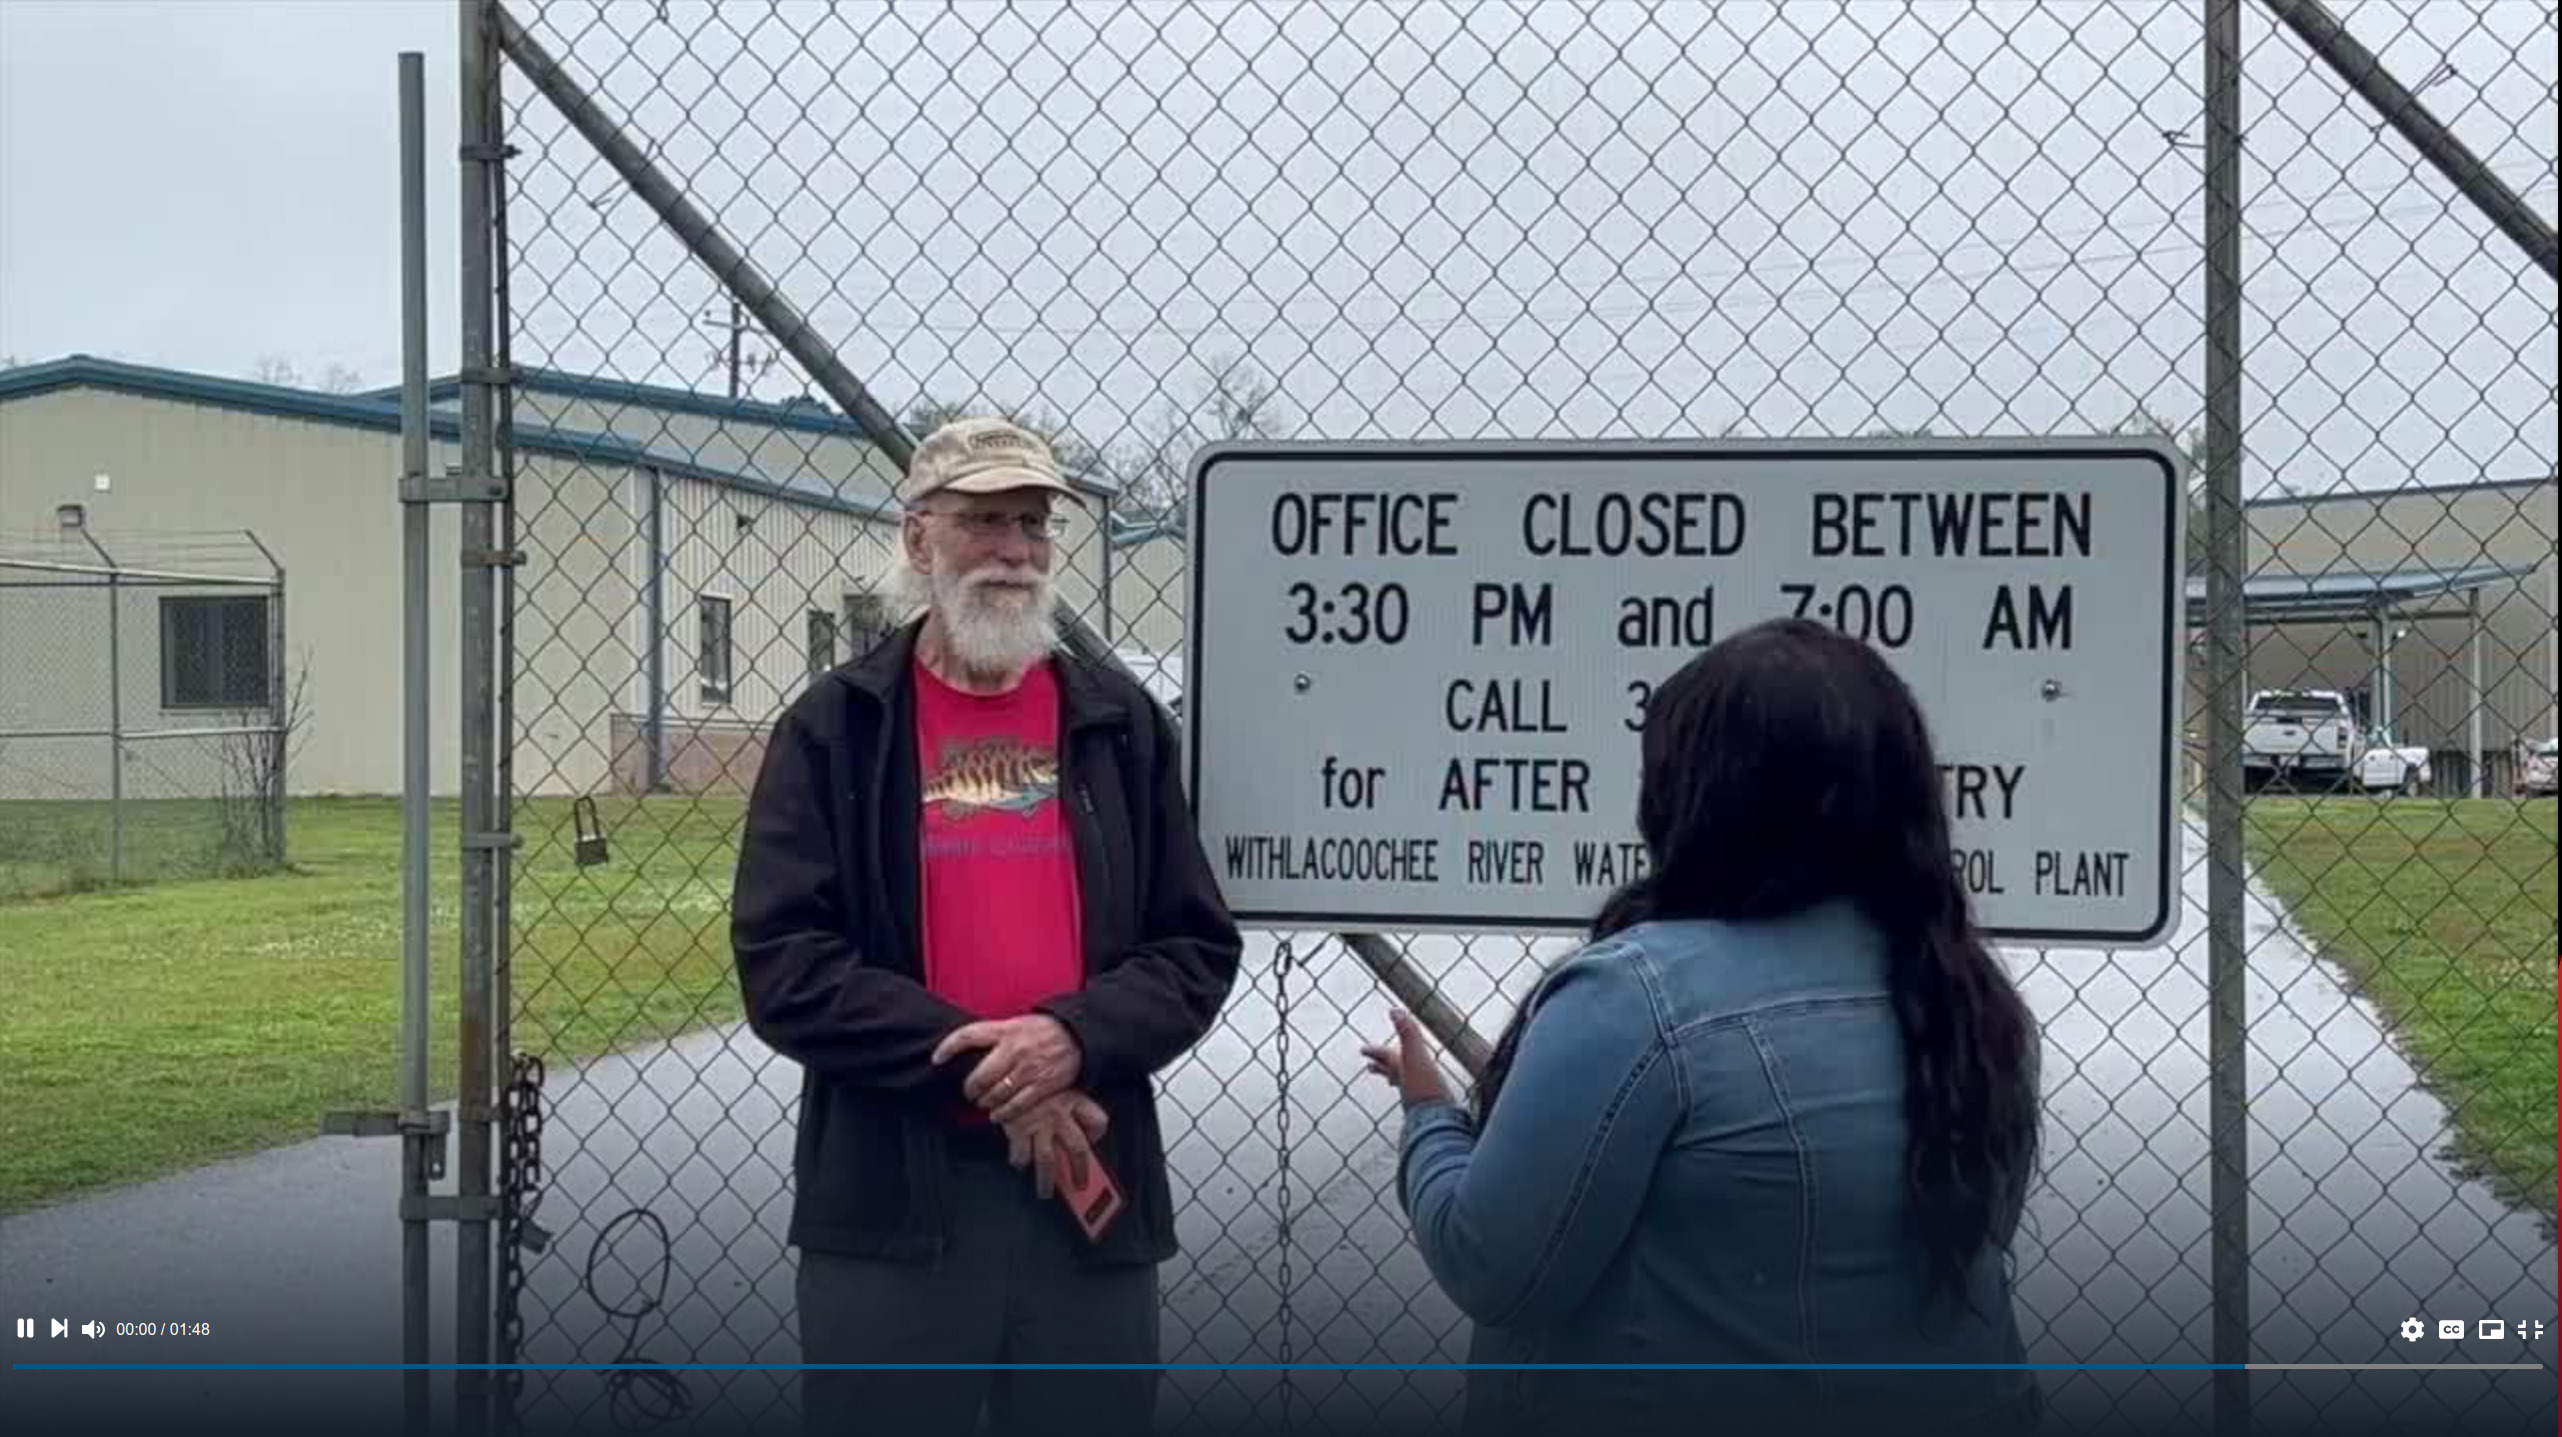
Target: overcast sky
{"points": [[198, 183], [1424, 221]]}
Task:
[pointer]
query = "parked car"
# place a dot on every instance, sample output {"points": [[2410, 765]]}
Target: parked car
{"points": [[2386, 767], [2299, 737], [2536, 775]]}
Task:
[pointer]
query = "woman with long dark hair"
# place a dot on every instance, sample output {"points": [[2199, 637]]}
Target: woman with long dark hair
{"points": [[1780, 1113]]}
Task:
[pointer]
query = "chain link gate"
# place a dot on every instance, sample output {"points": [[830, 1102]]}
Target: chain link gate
{"points": [[1142, 228]]}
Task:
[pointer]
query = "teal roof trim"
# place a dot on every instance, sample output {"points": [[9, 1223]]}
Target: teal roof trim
{"points": [[2399, 491], [807, 416], [2352, 593], [370, 411]]}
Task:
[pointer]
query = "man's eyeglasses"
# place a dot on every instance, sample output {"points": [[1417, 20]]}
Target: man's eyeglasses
{"points": [[988, 524]]}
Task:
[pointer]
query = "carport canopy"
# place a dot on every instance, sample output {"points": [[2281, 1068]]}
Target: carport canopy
{"points": [[2378, 598]]}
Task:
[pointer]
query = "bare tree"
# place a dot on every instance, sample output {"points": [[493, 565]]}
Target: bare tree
{"points": [[276, 369], [256, 752], [2192, 444], [1235, 400], [2147, 420]]}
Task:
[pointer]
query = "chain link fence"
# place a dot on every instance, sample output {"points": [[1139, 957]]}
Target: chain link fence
{"points": [[1145, 227], [146, 712]]}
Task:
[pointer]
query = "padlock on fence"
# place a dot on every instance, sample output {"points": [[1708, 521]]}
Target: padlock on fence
{"points": [[589, 846]]}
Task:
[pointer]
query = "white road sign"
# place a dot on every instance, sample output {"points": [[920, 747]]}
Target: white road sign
{"points": [[1415, 672]]}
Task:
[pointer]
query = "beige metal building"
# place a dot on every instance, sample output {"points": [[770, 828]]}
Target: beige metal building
{"points": [[688, 560], [1148, 597]]}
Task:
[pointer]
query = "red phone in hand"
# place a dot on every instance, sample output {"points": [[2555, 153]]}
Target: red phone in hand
{"points": [[1096, 1200]]}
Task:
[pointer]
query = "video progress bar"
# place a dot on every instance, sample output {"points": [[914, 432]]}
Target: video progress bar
{"points": [[2392, 1366], [1281, 1366]]}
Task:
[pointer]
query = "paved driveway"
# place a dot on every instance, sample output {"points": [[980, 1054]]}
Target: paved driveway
{"points": [[2358, 1222]]}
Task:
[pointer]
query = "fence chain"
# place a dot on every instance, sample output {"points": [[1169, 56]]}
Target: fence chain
{"points": [[520, 1187], [1283, 958]]}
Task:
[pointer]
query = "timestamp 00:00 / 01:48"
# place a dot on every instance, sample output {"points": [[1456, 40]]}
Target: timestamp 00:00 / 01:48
{"points": [[163, 1329]]}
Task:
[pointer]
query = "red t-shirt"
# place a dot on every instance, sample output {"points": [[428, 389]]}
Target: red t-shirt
{"points": [[1000, 901]]}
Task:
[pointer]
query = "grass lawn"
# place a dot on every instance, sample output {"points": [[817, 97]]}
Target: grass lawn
{"points": [[52, 846], [151, 1029], [2442, 913]]}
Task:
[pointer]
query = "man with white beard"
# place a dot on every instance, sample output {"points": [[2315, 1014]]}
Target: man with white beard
{"points": [[972, 905]]}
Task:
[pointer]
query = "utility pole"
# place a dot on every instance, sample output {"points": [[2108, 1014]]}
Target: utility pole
{"points": [[737, 322], [735, 349]]}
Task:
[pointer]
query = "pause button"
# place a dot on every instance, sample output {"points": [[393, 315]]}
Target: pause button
{"points": [[26, 1327]]}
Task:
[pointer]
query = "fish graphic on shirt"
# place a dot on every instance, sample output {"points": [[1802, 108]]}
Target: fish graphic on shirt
{"points": [[998, 775]]}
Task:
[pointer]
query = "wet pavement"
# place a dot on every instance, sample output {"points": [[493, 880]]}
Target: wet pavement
{"points": [[2358, 1221]]}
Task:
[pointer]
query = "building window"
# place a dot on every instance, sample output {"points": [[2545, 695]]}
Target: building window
{"points": [[867, 621], [213, 652], [712, 647], [822, 641]]}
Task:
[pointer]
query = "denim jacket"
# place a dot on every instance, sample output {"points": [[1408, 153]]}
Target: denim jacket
{"points": [[1698, 1158]]}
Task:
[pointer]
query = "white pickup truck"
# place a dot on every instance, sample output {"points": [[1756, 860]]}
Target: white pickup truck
{"points": [[2299, 738], [2311, 738]]}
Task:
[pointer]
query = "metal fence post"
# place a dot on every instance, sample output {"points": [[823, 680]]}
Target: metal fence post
{"points": [[2379, 682], [2477, 784], [280, 717], [517, 1105], [1111, 630], [115, 730], [2228, 1135], [473, 1314], [654, 611], [417, 690]]}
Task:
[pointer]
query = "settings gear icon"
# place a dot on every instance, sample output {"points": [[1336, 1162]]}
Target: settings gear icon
{"points": [[2413, 1329]]}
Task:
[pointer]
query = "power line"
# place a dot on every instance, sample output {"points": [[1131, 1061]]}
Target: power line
{"points": [[1643, 307], [1341, 320]]}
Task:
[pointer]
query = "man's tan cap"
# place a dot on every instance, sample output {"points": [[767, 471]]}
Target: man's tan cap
{"points": [[982, 456]]}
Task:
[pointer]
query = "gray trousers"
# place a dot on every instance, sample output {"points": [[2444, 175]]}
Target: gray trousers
{"points": [[1010, 1289]]}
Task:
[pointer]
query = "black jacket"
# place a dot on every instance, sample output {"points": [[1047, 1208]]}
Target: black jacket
{"points": [[826, 930]]}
